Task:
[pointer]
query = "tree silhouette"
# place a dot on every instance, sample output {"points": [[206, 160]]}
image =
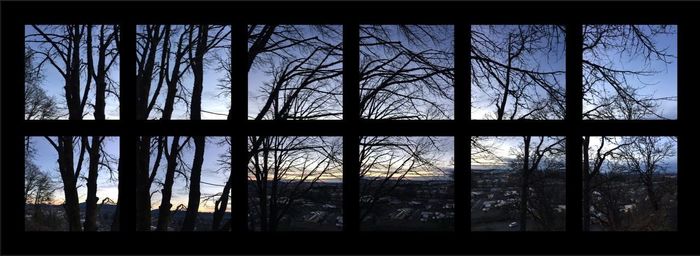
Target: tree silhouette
{"points": [[388, 162], [593, 163], [285, 169], [519, 70], [406, 72], [614, 87], [535, 155], [647, 156], [37, 105]]}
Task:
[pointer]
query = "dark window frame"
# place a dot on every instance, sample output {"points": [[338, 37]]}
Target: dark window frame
{"points": [[350, 15]]}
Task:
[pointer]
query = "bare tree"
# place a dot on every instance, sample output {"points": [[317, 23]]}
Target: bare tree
{"points": [[93, 166], [107, 53], [387, 162], [222, 201], [62, 47], [608, 197], [285, 169], [613, 86], [37, 105], [530, 158], [406, 72], [117, 212], [173, 158], [204, 42], [594, 157], [38, 186], [69, 176], [302, 66], [647, 156], [518, 69], [69, 50]]}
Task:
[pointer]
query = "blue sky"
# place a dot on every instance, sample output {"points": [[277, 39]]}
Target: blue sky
{"points": [[439, 52], [550, 58], [53, 82], [259, 74], [213, 177], [212, 98], [504, 149], [46, 159], [662, 83], [670, 164]]}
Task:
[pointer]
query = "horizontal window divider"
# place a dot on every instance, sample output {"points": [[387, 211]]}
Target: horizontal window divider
{"points": [[335, 242], [360, 128], [329, 12]]}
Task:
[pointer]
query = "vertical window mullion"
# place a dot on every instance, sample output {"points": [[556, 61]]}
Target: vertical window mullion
{"points": [[351, 117], [574, 110], [239, 115], [127, 117], [462, 184], [686, 214], [14, 112]]}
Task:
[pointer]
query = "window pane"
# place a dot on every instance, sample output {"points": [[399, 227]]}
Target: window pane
{"points": [[406, 72], [295, 72], [518, 72], [630, 183], [518, 183], [183, 72], [406, 183], [81, 194], [71, 72], [629, 72], [295, 183], [190, 185]]}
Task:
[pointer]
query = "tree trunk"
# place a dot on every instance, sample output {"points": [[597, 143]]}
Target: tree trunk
{"points": [[145, 75], [164, 209], [115, 221], [195, 177], [586, 185], [72, 87], [172, 84], [524, 192], [91, 201], [143, 196], [221, 205], [199, 141], [71, 205], [101, 81]]}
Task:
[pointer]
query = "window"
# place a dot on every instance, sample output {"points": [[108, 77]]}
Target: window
{"points": [[518, 183], [278, 128]]}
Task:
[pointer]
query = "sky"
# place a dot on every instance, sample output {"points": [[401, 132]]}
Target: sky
{"points": [[504, 147], [53, 82], [46, 159], [213, 178], [309, 158], [548, 59], [441, 156], [420, 42], [215, 105], [259, 74], [670, 163], [661, 84], [503, 150]]}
